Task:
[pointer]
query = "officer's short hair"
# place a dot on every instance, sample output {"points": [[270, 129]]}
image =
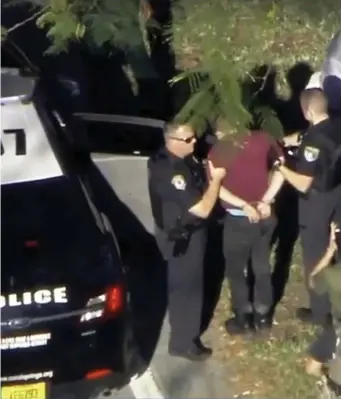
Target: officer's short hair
{"points": [[171, 129], [314, 99]]}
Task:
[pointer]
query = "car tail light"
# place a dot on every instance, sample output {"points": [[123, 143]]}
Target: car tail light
{"points": [[31, 244], [94, 374], [105, 305]]}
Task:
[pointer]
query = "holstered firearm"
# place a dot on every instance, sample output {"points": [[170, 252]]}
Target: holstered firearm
{"points": [[180, 235]]}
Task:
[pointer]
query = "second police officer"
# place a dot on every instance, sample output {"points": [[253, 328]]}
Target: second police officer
{"points": [[318, 179], [181, 203]]}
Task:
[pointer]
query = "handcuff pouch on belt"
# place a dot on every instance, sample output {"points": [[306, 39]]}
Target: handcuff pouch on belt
{"points": [[180, 233]]}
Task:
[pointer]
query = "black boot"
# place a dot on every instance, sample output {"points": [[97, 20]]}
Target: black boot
{"points": [[202, 347], [196, 352], [263, 321], [240, 324]]}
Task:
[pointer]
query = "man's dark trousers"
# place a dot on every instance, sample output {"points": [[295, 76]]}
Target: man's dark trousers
{"points": [[185, 265], [315, 215], [243, 241]]}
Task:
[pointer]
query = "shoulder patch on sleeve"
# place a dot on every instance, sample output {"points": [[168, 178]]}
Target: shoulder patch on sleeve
{"points": [[311, 153], [179, 182]]}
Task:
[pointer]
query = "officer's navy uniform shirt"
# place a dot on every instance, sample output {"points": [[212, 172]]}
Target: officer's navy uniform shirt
{"points": [[314, 157], [175, 185]]}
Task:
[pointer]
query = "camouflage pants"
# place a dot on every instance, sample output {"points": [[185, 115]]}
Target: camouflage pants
{"points": [[327, 391], [331, 282]]}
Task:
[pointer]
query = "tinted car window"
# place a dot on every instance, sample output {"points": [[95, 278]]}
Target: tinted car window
{"points": [[8, 59], [13, 56], [124, 139]]}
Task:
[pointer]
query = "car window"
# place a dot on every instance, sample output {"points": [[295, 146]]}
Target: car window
{"points": [[13, 56], [52, 213], [8, 58], [124, 139]]}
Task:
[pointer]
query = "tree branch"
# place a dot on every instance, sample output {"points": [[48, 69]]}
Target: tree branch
{"points": [[25, 21], [264, 80]]}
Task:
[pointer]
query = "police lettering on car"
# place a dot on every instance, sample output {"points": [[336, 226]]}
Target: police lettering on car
{"points": [[181, 201], [318, 178], [39, 297]]}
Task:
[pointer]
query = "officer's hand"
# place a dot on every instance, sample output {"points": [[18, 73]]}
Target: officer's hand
{"points": [[334, 230], [251, 213], [216, 173], [293, 140], [264, 209]]}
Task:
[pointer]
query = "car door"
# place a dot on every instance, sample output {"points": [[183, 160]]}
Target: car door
{"points": [[120, 147]]}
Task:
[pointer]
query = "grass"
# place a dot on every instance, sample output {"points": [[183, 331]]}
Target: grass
{"points": [[270, 367]]}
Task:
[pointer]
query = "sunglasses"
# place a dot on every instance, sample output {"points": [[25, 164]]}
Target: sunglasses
{"points": [[187, 140]]}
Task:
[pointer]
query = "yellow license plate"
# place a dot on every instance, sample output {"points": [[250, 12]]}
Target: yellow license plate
{"points": [[25, 391]]}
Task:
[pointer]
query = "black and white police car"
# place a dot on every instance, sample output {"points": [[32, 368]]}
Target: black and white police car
{"points": [[65, 328]]}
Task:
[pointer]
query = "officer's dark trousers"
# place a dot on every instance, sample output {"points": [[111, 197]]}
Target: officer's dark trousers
{"points": [[315, 214], [244, 241], [185, 288]]}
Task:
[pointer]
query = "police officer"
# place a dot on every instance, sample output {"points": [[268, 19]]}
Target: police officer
{"points": [[318, 179], [180, 205]]}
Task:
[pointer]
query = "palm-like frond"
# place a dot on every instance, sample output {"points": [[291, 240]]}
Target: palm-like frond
{"points": [[227, 39]]}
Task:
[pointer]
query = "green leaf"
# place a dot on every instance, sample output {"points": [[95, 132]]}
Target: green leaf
{"points": [[58, 5], [99, 28], [269, 121], [48, 18]]}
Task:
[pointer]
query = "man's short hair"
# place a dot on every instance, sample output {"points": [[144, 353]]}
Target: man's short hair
{"points": [[315, 100]]}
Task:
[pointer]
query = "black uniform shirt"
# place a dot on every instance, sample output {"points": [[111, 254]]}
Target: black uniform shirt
{"points": [[175, 185], [314, 156]]}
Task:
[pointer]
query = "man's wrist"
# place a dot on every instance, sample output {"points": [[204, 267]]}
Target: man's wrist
{"points": [[267, 201]]}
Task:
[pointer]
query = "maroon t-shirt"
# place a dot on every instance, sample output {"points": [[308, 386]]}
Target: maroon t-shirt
{"points": [[247, 164]]}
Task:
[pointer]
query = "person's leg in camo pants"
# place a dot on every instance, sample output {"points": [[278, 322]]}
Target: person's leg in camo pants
{"points": [[332, 277]]}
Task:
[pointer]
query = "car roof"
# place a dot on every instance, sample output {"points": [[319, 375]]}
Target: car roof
{"points": [[26, 153]]}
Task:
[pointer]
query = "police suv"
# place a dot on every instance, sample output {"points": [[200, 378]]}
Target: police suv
{"points": [[65, 329]]}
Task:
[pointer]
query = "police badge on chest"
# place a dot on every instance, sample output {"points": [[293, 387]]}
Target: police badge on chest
{"points": [[311, 154], [179, 182]]}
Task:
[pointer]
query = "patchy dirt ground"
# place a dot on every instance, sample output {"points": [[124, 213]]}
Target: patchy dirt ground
{"points": [[272, 367]]}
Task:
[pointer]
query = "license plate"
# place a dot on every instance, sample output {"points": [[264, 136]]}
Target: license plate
{"points": [[25, 391]]}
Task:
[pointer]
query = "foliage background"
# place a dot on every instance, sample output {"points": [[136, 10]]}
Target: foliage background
{"points": [[218, 46], [228, 39]]}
